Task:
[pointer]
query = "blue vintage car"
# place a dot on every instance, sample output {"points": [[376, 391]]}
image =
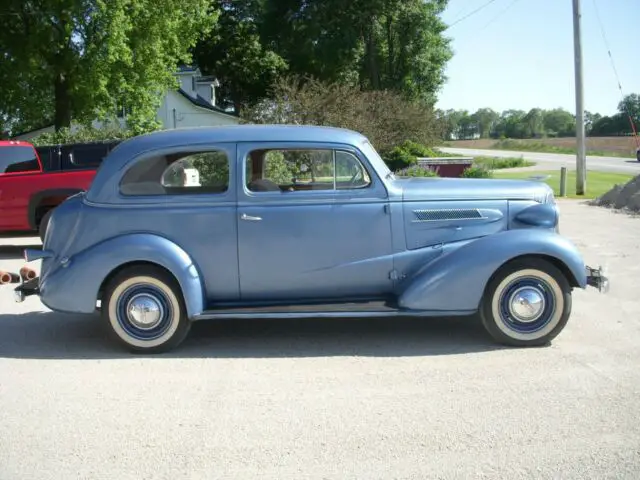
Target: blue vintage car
{"points": [[300, 221]]}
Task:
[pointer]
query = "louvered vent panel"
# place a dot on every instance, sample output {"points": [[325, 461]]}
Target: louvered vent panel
{"points": [[453, 214]]}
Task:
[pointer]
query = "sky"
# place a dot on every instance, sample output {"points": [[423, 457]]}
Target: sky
{"points": [[518, 54]]}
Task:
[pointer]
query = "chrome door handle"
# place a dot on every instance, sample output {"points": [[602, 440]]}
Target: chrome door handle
{"points": [[250, 218]]}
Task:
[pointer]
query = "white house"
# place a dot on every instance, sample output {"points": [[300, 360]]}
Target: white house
{"points": [[193, 104]]}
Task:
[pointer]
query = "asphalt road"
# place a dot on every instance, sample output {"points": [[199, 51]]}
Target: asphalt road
{"points": [[339, 399], [551, 161]]}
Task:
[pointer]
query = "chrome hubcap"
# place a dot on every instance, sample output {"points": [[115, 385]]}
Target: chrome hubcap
{"points": [[144, 311], [526, 304]]}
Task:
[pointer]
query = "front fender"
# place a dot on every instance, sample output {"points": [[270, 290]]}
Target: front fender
{"points": [[73, 286], [457, 279]]}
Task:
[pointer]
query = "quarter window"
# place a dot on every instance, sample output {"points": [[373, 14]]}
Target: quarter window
{"points": [[176, 174], [304, 170]]}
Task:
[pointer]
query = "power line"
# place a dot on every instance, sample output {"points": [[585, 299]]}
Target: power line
{"points": [[472, 12], [461, 10], [502, 12], [615, 71]]}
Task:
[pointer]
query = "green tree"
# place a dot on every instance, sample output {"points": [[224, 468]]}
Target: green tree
{"points": [[559, 123], [86, 59], [534, 123], [379, 44], [485, 119], [630, 105], [234, 52], [511, 124], [590, 119]]}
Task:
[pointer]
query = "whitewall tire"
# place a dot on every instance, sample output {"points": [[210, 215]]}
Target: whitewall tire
{"points": [[143, 308], [527, 303]]}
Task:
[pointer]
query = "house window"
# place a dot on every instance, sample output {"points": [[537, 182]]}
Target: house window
{"points": [[204, 172], [294, 170]]}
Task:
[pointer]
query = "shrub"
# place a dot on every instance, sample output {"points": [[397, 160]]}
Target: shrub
{"points": [[418, 149], [385, 117], [399, 158], [477, 171], [416, 171], [499, 163], [84, 134]]}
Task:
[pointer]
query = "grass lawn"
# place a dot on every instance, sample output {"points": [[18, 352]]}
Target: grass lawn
{"points": [[598, 183]]}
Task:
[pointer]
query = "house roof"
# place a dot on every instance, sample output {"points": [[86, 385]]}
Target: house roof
{"points": [[202, 103], [187, 69]]}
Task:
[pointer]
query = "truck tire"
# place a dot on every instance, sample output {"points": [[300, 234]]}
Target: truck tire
{"points": [[44, 223], [527, 303], [144, 310]]}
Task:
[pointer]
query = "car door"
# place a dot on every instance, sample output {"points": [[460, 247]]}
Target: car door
{"points": [[313, 223]]}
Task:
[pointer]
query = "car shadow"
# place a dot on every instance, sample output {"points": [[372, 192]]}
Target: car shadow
{"points": [[50, 335], [14, 252]]}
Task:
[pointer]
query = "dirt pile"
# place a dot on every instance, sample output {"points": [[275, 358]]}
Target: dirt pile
{"points": [[622, 197]]}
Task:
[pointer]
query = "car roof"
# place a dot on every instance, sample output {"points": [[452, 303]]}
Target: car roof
{"points": [[171, 138]]}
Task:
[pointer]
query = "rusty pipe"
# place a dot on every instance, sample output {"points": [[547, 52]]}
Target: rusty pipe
{"points": [[8, 277], [27, 274]]}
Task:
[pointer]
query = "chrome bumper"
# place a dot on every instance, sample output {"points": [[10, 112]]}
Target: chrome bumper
{"points": [[596, 279]]}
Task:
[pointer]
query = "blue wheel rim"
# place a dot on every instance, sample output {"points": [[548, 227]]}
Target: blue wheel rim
{"points": [[543, 289], [158, 296]]}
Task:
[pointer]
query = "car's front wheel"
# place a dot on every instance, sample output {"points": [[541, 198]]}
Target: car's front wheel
{"points": [[143, 308], [527, 303]]}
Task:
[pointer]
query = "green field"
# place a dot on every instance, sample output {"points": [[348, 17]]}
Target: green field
{"points": [[598, 146], [598, 183]]}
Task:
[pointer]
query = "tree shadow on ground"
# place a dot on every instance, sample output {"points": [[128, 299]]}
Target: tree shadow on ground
{"points": [[49, 335]]}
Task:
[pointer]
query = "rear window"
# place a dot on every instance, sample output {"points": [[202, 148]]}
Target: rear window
{"points": [[18, 159]]}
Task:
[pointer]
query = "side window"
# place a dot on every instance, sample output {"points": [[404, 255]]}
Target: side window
{"points": [[350, 173], [176, 174], [18, 160], [303, 170]]}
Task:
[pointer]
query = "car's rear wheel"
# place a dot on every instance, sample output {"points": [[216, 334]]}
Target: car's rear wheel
{"points": [[144, 310], [527, 303]]}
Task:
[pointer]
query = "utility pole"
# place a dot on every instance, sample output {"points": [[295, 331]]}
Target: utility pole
{"points": [[581, 160]]}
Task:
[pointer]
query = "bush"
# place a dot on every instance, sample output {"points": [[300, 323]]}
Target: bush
{"points": [[477, 171], [416, 171], [83, 134], [399, 158], [500, 163], [386, 118], [418, 149]]}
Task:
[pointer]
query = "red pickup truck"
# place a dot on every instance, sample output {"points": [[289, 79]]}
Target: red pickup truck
{"points": [[34, 180]]}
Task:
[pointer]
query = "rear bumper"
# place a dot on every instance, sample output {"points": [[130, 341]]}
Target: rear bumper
{"points": [[596, 279]]}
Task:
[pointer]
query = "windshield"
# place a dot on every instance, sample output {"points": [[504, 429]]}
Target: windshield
{"points": [[378, 163]]}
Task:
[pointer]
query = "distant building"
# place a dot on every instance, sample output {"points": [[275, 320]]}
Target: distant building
{"points": [[193, 104]]}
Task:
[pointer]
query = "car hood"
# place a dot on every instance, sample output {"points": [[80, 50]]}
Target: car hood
{"points": [[432, 188]]}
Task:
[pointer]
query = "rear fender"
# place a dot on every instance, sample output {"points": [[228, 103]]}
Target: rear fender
{"points": [[72, 284], [456, 280], [37, 199]]}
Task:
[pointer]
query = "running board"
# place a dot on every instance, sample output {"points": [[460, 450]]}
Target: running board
{"points": [[333, 310]]}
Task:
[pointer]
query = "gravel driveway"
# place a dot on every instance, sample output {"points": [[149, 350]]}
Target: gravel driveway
{"points": [[338, 399]]}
